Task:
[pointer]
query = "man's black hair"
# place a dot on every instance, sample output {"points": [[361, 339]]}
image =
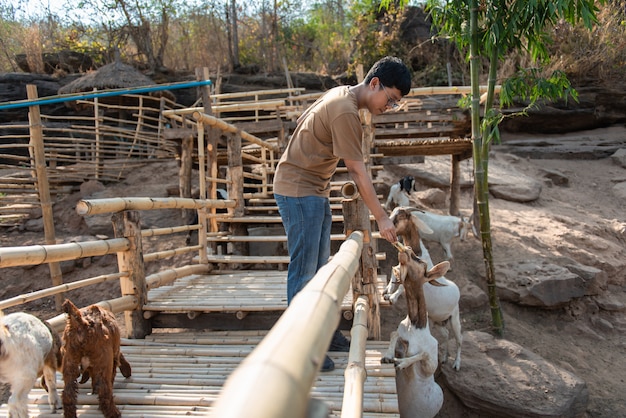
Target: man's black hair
{"points": [[391, 72]]}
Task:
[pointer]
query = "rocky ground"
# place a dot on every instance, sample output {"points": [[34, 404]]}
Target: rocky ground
{"points": [[577, 217]]}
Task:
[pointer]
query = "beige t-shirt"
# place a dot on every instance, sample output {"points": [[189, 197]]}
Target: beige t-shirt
{"points": [[329, 130]]}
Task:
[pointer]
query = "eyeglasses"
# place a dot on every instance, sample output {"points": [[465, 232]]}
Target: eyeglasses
{"points": [[391, 103]]}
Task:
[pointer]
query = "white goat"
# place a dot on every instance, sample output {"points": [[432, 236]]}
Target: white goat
{"points": [[400, 191], [28, 349], [444, 228], [412, 348], [442, 304]]}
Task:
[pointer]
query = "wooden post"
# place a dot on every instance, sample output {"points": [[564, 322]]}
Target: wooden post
{"points": [[455, 185], [357, 218], [235, 170], [186, 165], [38, 157], [126, 224], [212, 136]]}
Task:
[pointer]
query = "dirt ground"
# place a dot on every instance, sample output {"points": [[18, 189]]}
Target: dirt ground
{"points": [[583, 221]]}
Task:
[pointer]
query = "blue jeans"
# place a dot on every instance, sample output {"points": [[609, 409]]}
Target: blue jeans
{"points": [[307, 222]]}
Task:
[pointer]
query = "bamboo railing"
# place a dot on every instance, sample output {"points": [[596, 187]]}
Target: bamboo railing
{"points": [[104, 147], [127, 246], [290, 355]]}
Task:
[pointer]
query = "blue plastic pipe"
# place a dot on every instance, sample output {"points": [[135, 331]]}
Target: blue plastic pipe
{"points": [[104, 93]]}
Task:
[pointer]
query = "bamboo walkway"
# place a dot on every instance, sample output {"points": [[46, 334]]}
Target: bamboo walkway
{"points": [[241, 290], [181, 374]]}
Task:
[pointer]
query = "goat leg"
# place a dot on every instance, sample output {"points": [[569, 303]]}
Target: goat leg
{"points": [[18, 401], [391, 350], [70, 390], [49, 376], [105, 398], [124, 366], [403, 363]]}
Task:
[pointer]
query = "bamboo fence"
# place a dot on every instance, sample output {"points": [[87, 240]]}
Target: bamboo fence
{"points": [[105, 146]]}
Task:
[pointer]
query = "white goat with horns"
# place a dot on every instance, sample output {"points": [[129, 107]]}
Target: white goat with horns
{"points": [[412, 349]]}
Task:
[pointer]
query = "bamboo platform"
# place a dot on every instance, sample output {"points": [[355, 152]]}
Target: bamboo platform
{"points": [[181, 374], [230, 291]]}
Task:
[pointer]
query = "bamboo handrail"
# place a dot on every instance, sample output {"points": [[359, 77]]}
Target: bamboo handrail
{"points": [[166, 277], [160, 255], [29, 297], [227, 127], [39, 254], [291, 354], [355, 373], [119, 204], [121, 304], [429, 91], [230, 107]]}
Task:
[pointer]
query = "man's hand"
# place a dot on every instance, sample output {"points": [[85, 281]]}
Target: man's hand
{"points": [[387, 229]]}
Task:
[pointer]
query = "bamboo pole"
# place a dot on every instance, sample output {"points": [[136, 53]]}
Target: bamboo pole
{"points": [[227, 127], [96, 113], [202, 218], [430, 91], [119, 204], [161, 255], [355, 373], [166, 277], [121, 304], [39, 158], [291, 354], [39, 254], [29, 297]]}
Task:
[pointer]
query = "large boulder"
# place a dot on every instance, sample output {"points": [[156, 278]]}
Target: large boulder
{"points": [[502, 379], [505, 182], [543, 284]]}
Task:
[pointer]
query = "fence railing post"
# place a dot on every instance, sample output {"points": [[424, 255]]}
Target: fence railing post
{"points": [[126, 224]]}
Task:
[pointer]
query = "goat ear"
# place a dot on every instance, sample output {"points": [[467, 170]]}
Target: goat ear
{"points": [[4, 333], [73, 312], [421, 225], [438, 270], [435, 283]]}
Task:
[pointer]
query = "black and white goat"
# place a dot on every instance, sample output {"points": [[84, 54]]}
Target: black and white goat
{"points": [[29, 348], [400, 192]]}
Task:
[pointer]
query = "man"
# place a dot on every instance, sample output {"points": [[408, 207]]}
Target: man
{"points": [[330, 130]]}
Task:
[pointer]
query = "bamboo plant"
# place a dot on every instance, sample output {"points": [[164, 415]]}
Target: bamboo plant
{"points": [[488, 30]]}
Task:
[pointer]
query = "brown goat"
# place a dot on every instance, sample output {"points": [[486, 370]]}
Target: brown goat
{"points": [[91, 347]]}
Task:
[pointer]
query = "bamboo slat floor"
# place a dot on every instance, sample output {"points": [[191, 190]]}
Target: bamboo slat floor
{"points": [[245, 290], [181, 374]]}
